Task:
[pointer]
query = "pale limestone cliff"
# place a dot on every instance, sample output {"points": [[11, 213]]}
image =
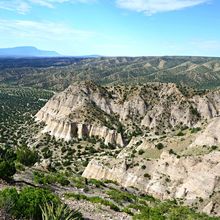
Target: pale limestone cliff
{"points": [[117, 112], [86, 109], [187, 178], [210, 136]]}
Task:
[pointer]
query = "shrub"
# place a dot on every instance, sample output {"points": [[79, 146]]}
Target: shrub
{"points": [[63, 181], [159, 146], [180, 133], [7, 163], [143, 167], [97, 183], [120, 197], [214, 147], [26, 204], [26, 156], [146, 175], [195, 130], [61, 212], [171, 151], [94, 199], [141, 151]]}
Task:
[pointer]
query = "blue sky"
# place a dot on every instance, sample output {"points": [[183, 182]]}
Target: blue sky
{"points": [[113, 27]]}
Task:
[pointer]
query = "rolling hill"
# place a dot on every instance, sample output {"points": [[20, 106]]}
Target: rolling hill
{"points": [[59, 73]]}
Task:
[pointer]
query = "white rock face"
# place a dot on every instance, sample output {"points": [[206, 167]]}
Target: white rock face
{"points": [[85, 109], [187, 178], [210, 136]]}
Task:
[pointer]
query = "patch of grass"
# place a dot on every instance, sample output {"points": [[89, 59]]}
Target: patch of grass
{"points": [[93, 199]]}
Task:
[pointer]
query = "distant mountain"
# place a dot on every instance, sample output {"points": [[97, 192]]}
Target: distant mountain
{"points": [[26, 51]]}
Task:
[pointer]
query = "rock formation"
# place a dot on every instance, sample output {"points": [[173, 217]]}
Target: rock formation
{"points": [[146, 113], [190, 178], [114, 112]]}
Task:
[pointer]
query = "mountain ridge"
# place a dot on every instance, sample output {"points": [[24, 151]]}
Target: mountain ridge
{"points": [[58, 73], [26, 51]]}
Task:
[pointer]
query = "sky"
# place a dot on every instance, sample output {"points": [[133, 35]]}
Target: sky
{"points": [[113, 27]]}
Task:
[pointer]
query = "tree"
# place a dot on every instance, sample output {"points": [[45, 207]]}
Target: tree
{"points": [[27, 156], [7, 163]]}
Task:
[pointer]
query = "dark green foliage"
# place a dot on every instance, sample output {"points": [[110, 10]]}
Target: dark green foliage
{"points": [[180, 133], [27, 156], [51, 178], [26, 203], [195, 112], [171, 151], [17, 107], [60, 212], [195, 130], [159, 146], [120, 196], [143, 167], [140, 152], [94, 199], [95, 182], [214, 147], [168, 211], [7, 163], [147, 175]]}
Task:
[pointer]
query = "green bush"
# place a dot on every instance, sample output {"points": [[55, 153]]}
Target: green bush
{"points": [[94, 199], [147, 175], [97, 183], [7, 163], [61, 212], [195, 130], [52, 178], [143, 167], [120, 196], [213, 147], [26, 156], [141, 151], [26, 203], [180, 133], [159, 146]]}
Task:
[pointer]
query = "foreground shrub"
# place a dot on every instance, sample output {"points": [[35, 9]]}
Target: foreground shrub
{"points": [[26, 156], [7, 163], [26, 203], [61, 212]]}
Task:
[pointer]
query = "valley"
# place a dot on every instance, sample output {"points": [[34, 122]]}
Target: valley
{"points": [[122, 147]]}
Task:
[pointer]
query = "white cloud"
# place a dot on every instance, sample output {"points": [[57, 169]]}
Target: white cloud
{"points": [[48, 35], [27, 29], [15, 5], [24, 6], [150, 7]]}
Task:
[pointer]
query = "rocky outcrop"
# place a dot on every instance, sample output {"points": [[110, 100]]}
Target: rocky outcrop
{"points": [[210, 136], [187, 178], [68, 130], [71, 114], [86, 109]]}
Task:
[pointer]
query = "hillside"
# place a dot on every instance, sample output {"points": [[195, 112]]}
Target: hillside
{"points": [[59, 73], [153, 150], [164, 139]]}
